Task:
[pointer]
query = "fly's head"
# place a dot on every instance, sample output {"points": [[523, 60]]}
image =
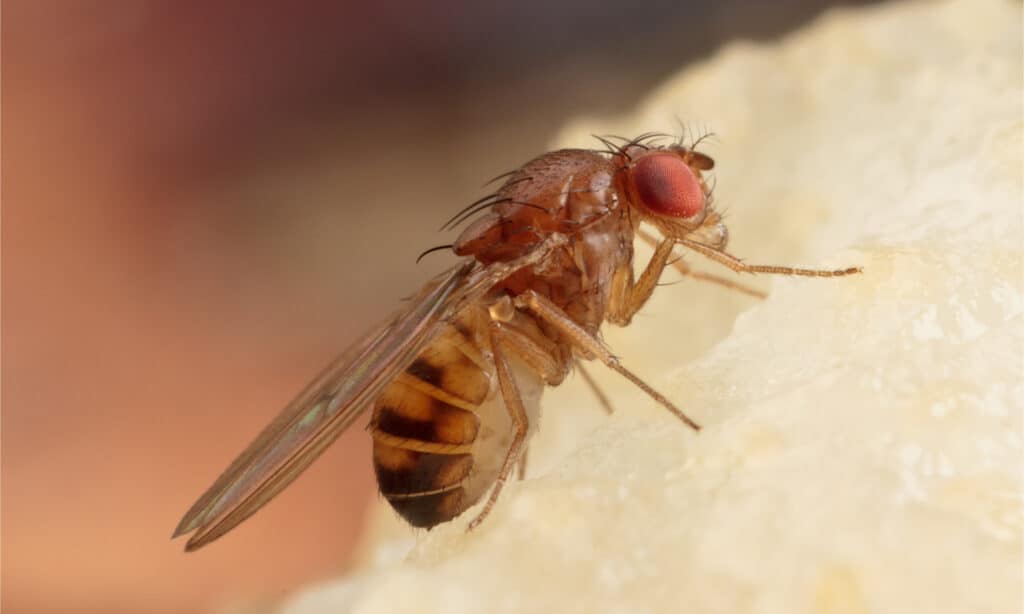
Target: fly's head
{"points": [[665, 186]]}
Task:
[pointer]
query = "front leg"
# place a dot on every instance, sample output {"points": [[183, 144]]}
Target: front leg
{"points": [[683, 268], [628, 296], [739, 266]]}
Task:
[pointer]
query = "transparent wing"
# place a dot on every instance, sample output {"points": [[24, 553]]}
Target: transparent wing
{"points": [[328, 405]]}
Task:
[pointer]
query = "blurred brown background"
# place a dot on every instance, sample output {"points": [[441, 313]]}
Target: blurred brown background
{"points": [[202, 202]]}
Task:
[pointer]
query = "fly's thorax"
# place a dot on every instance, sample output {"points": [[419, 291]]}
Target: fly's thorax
{"points": [[554, 193], [572, 192]]}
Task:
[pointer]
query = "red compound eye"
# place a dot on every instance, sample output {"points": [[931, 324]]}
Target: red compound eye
{"points": [[666, 186]]}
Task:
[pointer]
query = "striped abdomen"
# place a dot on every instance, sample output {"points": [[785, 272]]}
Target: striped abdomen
{"points": [[425, 424]]}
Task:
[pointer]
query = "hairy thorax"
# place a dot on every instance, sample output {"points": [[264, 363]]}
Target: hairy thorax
{"points": [[571, 192]]}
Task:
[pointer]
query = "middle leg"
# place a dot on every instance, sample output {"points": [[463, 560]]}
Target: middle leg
{"points": [[592, 347], [602, 398]]}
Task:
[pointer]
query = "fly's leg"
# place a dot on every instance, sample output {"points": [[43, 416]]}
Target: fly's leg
{"points": [[590, 346], [521, 468], [629, 295], [520, 422], [602, 398], [739, 266], [685, 270], [505, 336], [537, 351]]}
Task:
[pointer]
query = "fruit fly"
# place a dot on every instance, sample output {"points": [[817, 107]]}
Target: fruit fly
{"points": [[454, 379]]}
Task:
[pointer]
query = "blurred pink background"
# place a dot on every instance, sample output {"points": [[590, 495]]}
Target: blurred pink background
{"points": [[202, 203]]}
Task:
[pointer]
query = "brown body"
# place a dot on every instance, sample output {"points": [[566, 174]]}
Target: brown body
{"points": [[429, 462], [455, 378]]}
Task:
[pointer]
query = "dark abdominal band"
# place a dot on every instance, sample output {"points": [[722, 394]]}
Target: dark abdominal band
{"points": [[423, 428]]}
